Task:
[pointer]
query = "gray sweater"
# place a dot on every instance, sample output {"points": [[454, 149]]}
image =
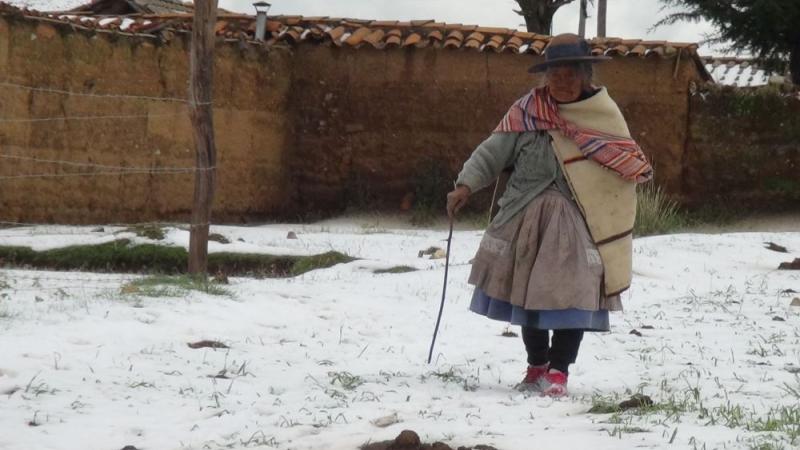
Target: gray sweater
{"points": [[535, 169]]}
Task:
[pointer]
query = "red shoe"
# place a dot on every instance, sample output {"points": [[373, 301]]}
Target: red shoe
{"points": [[533, 378], [555, 383]]}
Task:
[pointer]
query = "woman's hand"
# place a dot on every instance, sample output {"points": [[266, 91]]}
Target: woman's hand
{"points": [[456, 199]]}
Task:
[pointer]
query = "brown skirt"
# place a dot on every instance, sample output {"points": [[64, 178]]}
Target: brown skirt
{"points": [[543, 259]]}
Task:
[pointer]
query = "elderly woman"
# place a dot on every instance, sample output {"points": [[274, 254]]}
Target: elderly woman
{"points": [[558, 253]]}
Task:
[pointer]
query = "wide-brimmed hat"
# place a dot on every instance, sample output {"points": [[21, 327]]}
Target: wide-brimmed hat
{"points": [[566, 48]]}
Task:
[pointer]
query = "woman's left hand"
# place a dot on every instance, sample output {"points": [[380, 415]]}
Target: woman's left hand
{"points": [[456, 199]]}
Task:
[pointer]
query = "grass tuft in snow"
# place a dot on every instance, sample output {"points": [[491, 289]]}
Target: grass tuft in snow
{"points": [[172, 286], [216, 237], [396, 269], [346, 380], [469, 383], [121, 256], [655, 212], [148, 230]]}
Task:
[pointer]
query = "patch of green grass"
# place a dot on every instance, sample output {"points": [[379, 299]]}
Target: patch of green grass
{"points": [[216, 237], [148, 230], [115, 256], [347, 380], [603, 405], [784, 419], [656, 213], [172, 286], [717, 213], [396, 269], [122, 257], [469, 383], [303, 264]]}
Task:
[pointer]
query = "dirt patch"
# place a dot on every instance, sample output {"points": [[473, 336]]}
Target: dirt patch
{"points": [[409, 440], [794, 265], [206, 344]]}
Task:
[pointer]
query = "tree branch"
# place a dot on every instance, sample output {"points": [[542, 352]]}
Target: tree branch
{"points": [[559, 3]]}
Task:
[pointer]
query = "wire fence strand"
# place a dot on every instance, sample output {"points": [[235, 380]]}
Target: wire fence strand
{"points": [[88, 94], [91, 165], [87, 118]]}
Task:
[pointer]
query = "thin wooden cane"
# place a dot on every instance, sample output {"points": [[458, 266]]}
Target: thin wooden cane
{"points": [[444, 290], [491, 205]]}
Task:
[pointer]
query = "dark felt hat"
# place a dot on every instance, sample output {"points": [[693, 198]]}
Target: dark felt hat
{"points": [[566, 48]]}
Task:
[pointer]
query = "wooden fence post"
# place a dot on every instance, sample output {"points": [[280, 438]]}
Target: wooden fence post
{"points": [[201, 79]]}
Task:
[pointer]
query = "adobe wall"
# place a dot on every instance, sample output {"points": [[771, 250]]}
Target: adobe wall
{"points": [[251, 90], [744, 150], [300, 132], [369, 122]]}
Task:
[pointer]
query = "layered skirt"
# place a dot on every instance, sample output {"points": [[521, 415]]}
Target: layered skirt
{"points": [[541, 269]]}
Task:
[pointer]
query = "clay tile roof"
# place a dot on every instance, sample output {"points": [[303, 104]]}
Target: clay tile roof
{"points": [[474, 40], [496, 42], [617, 50], [384, 23], [537, 46], [412, 39], [436, 35], [376, 38], [515, 42], [638, 50], [357, 36], [355, 33], [394, 38]]}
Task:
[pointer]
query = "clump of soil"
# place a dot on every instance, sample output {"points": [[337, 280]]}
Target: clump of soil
{"points": [[409, 440], [794, 265]]}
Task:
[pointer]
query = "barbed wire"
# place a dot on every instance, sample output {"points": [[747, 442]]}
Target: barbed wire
{"points": [[111, 117], [87, 94], [93, 165], [99, 173], [115, 224]]}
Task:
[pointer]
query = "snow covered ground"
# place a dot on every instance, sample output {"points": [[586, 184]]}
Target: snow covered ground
{"points": [[314, 360]]}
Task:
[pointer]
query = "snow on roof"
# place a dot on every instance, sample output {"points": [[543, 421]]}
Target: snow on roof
{"points": [[47, 5], [732, 71]]}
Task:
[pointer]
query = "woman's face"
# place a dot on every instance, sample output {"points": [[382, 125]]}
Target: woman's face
{"points": [[565, 82]]}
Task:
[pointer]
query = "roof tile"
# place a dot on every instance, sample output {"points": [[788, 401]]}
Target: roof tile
{"points": [[357, 36], [412, 39], [496, 42], [375, 38], [538, 46], [336, 34], [638, 50], [436, 35], [356, 32], [393, 41]]}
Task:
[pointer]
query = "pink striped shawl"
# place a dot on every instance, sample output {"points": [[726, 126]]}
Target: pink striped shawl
{"points": [[538, 110]]}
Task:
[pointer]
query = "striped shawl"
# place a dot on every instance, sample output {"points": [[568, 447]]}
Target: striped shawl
{"points": [[538, 110], [602, 165]]}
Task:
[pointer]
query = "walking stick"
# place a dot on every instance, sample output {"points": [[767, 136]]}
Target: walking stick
{"points": [[444, 290]]}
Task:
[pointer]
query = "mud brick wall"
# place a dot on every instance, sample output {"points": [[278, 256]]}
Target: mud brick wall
{"points": [[743, 150], [301, 131], [251, 89], [373, 121]]}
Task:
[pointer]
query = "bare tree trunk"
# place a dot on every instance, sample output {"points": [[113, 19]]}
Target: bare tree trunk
{"points": [[582, 19], [794, 63], [200, 111], [539, 14], [602, 9], [541, 25]]}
